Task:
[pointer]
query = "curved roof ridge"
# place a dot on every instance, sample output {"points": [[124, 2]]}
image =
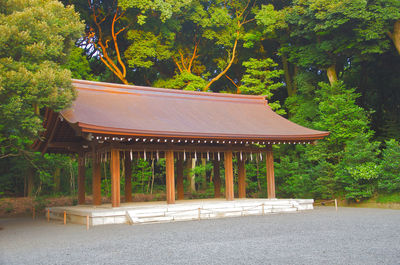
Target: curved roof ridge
{"points": [[130, 89]]}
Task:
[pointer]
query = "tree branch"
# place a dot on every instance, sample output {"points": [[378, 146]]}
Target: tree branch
{"points": [[105, 58], [121, 30], [182, 60], [233, 82], [247, 5], [117, 48], [390, 35], [227, 67], [177, 64], [247, 21], [193, 56], [8, 155]]}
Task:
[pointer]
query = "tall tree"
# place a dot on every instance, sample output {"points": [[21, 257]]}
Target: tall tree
{"points": [[385, 19], [201, 39], [35, 39], [107, 22], [262, 78], [330, 34], [271, 20], [337, 165]]}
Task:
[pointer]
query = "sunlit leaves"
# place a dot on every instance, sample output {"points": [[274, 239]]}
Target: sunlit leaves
{"points": [[145, 47]]}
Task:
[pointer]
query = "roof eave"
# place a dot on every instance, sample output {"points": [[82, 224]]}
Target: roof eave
{"points": [[185, 135]]}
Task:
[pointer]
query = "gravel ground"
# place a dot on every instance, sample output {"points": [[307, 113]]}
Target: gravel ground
{"points": [[321, 236]]}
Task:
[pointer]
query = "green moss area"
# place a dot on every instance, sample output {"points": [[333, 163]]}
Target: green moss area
{"points": [[387, 201], [388, 198]]}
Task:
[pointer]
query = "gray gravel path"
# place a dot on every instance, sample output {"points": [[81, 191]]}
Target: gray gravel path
{"points": [[321, 236]]}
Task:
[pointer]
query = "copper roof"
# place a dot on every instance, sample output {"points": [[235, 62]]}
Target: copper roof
{"points": [[105, 108]]}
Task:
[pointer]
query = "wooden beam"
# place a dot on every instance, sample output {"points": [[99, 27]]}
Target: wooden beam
{"points": [[228, 176], [241, 179], [70, 146], [128, 177], [217, 179], [65, 145], [179, 147], [81, 178], [170, 178], [179, 179], [270, 174], [115, 178], [53, 131], [96, 179]]}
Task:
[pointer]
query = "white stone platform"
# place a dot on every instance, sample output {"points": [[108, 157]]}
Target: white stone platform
{"points": [[156, 212]]}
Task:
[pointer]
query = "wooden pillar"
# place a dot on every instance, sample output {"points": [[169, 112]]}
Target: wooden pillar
{"points": [[115, 178], [217, 179], [81, 179], [170, 176], [128, 177], [270, 173], [241, 179], [179, 179], [96, 179], [228, 176]]}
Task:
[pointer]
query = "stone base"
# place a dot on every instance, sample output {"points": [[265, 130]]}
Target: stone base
{"points": [[158, 212]]}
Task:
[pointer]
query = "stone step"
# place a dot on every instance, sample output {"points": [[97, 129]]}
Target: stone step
{"points": [[181, 211]]}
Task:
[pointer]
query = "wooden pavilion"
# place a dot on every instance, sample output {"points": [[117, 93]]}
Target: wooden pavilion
{"points": [[109, 121]]}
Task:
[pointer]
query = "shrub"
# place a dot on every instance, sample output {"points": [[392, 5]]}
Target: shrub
{"points": [[390, 168]]}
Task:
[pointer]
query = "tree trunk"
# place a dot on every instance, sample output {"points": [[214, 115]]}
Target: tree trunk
{"points": [[332, 75], [152, 176], [25, 187], [217, 179], [128, 177], [258, 177], [30, 186], [232, 59], [193, 177], [142, 179], [188, 170], [107, 188], [294, 82], [57, 179], [204, 184], [288, 77], [395, 35]]}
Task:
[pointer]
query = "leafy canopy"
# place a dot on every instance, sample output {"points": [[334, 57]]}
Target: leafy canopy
{"points": [[35, 38]]}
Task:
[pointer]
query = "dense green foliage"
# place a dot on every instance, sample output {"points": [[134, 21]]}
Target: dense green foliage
{"points": [[35, 37], [390, 179], [329, 65]]}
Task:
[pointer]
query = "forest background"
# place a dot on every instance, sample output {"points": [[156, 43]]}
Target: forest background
{"points": [[330, 65]]}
